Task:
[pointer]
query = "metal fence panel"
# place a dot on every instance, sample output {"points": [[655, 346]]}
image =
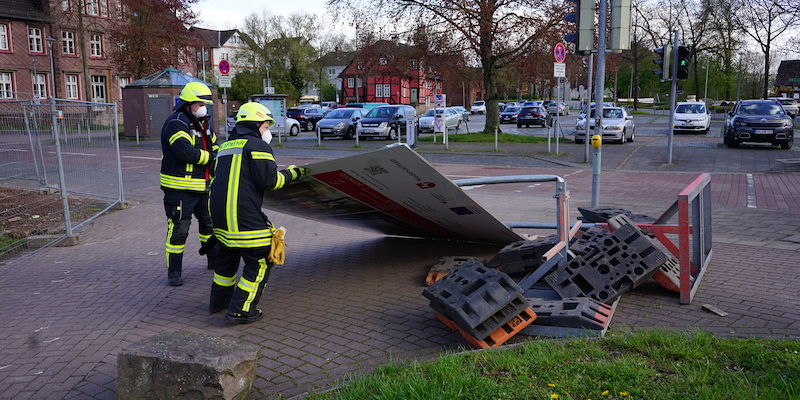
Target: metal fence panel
{"points": [[59, 168]]}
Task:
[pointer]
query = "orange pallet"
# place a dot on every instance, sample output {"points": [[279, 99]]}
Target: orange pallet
{"points": [[498, 337]]}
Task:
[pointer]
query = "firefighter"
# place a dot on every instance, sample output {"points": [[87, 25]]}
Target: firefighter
{"points": [[189, 146], [244, 169]]}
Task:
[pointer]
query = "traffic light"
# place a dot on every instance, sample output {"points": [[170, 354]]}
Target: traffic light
{"points": [[583, 18], [664, 63], [683, 62]]}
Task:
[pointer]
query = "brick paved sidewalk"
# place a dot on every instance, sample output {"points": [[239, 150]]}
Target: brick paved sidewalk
{"points": [[346, 300]]}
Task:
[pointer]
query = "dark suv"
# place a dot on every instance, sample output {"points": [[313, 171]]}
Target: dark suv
{"points": [[307, 117], [386, 121], [534, 116], [758, 121]]}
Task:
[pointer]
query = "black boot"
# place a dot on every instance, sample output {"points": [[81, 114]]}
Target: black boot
{"points": [[174, 277], [174, 266]]}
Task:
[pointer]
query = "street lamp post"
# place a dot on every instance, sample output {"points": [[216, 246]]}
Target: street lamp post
{"points": [[705, 91], [739, 79]]}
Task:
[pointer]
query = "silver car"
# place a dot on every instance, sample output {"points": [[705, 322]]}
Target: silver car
{"points": [[452, 119], [618, 126], [341, 122]]}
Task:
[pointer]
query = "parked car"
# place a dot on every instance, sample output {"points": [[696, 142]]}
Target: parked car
{"points": [[291, 125], [558, 108], [509, 116], [501, 106], [536, 103], [386, 121], [452, 119], [758, 121], [366, 106], [789, 105], [478, 107], [307, 116], [533, 116], [618, 126], [329, 105], [465, 115], [691, 116], [341, 122], [583, 112]]}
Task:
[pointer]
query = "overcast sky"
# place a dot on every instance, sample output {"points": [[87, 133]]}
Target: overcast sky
{"points": [[227, 14]]}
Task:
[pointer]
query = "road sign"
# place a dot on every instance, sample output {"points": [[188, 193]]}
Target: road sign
{"points": [[224, 67], [439, 100], [559, 70], [560, 52], [224, 81], [269, 90]]}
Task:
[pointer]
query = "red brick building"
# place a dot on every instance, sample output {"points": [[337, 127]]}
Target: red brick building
{"points": [[389, 72]]}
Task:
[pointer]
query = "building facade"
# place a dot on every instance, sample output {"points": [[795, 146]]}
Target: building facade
{"points": [[389, 72], [74, 34]]}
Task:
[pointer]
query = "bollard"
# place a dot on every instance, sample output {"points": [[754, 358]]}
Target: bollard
{"points": [[597, 143], [495, 138]]}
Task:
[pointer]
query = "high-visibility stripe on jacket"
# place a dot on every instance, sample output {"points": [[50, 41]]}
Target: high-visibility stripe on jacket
{"points": [[186, 154], [244, 169]]}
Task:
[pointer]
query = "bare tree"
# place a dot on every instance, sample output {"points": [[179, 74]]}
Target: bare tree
{"points": [[155, 35], [492, 33], [764, 21]]}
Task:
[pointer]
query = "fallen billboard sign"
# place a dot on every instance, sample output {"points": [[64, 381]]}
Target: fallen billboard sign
{"points": [[392, 191]]}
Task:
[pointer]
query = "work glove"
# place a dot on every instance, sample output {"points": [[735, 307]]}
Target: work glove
{"points": [[297, 172], [277, 252]]}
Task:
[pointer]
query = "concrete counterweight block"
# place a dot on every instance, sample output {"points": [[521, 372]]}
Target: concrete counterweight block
{"points": [[184, 365]]}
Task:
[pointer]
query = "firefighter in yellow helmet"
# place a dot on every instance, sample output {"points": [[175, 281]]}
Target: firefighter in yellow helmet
{"points": [[244, 169], [188, 148]]}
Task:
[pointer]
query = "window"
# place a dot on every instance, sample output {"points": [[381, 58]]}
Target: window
{"points": [[124, 81], [331, 71], [118, 8], [5, 44], [93, 7], [358, 82], [360, 65], [35, 40], [383, 61], [103, 8], [64, 5], [383, 90], [96, 43], [99, 89], [414, 63], [68, 42], [5, 86], [351, 82], [182, 56], [40, 85], [224, 56], [72, 87]]}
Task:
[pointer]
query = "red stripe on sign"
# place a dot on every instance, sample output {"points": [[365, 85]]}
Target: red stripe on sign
{"points": [[356, 189]]}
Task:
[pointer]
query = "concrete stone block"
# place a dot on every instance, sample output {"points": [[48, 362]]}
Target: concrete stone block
{"points": [[184, 365]]}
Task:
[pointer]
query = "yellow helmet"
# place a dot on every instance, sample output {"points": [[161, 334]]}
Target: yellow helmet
{"points": [[196, 91], [254, 112]]}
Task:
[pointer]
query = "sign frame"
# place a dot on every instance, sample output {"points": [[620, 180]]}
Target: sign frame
{"points": [[559, 52], [224, 67]]}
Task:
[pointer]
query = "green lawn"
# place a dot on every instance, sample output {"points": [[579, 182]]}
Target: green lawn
{"points": [[641, 365], [486, 137]]}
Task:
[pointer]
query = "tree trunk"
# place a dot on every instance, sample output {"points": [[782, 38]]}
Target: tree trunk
{"points": [[766, 69], [490, 84]]}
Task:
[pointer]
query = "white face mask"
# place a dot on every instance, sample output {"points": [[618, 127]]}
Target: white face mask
{"points": [[266, 135], [201, 112]]}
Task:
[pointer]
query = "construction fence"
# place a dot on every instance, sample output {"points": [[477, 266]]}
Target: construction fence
{"points": [[59, 169]]}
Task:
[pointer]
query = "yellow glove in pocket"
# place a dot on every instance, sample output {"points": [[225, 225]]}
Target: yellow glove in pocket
{"points": [[277, 250]]}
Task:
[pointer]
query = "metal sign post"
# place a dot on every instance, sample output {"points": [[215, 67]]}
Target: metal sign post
{"points": [[225, 83], [559, 71]]}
